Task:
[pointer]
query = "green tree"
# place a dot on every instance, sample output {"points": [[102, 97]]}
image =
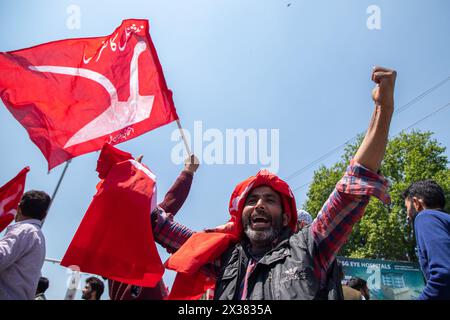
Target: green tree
{"points": [[383, 232]]}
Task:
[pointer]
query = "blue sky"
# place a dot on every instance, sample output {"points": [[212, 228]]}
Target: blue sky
{"points": [[302, 68]]}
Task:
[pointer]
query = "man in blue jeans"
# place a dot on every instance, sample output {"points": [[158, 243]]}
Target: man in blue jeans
{"points": [[425, 201]]}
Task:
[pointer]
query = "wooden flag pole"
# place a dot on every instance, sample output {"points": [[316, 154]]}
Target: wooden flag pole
{"points": [[57, 187], [184, 138]]}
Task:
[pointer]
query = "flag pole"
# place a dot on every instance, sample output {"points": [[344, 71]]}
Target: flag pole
{"points": [[59, 181], [184, 137], [57, 187]]}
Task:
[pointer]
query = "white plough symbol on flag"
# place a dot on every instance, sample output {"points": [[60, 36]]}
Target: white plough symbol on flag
{"points": [[6, 201], [120, 114]]}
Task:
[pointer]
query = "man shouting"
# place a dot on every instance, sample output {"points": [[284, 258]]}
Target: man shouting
{"points": [[258, 255]]}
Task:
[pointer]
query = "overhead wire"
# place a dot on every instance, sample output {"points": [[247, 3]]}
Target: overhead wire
{"points": [[398, 111], [405, 129]]}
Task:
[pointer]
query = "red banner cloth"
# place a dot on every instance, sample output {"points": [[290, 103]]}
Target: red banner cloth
{"points": [[115, 238]]}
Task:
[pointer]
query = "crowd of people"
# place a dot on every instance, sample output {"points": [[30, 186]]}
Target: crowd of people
{"points": [[268, 250]]}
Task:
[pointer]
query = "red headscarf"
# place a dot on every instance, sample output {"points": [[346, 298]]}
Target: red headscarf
{"points": [[205, 247]]}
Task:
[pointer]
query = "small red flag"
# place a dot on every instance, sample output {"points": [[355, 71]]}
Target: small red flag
{"points": [[10, 195], [191, 286], [115, 237], [74, 95]]}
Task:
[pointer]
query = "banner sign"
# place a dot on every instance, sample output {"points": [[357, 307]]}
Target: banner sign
{"points": [[386, 280]]}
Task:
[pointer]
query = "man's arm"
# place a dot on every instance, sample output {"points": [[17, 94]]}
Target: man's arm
{"points": [[434, 242], [169, 234], [347, 203], [11, 248], [178, 193], [371, 152]]}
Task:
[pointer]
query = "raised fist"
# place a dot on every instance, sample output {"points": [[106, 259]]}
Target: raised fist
{"points": [[383, 93], [191, 163]]}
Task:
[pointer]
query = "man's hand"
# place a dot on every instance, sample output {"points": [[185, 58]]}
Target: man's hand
{"points": [[139, 159], [383, 93], [191, 164], [228, 227]]}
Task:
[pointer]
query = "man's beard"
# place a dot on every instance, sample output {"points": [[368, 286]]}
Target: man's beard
{"points": [[412, 218], [264, 236], [86, 296]]}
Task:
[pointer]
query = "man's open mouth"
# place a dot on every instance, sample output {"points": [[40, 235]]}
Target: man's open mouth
{"points": [[259, 222]]}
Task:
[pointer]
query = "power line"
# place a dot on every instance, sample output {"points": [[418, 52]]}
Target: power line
{"points": [[396, 112], [421, 96], [426, 117], [405, 129], [302, 186], [326, 155]]}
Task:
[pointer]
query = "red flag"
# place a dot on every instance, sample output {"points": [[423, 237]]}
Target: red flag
{"points": [[115, 237], [74, 95], [185, 284], [10, 195]]}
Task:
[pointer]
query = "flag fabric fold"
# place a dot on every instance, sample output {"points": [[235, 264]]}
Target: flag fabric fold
{"points": [[74, 95], [190, 287], [115, 237], [10, 195]]}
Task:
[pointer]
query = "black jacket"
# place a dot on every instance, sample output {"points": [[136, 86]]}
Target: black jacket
{"points": [[284, 273]]}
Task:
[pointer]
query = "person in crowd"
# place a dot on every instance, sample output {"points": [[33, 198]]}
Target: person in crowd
{"points": [[22, 248], [258, 255], [93, 289], [350, 293], [347, 292], [304, 218], [335, 274], [425, 202], [41, 288], [173, 201], [360, 285]]}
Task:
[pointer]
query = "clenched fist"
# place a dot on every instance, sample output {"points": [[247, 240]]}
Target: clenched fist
{"points": [[191, 164], [383, 93]]}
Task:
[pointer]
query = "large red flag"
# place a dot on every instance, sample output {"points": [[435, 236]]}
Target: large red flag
{"points": [[74, 95], [115, 237], [10, 195]]}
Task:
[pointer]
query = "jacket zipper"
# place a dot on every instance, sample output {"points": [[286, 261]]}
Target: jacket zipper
{"points": [[238, 281]]}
